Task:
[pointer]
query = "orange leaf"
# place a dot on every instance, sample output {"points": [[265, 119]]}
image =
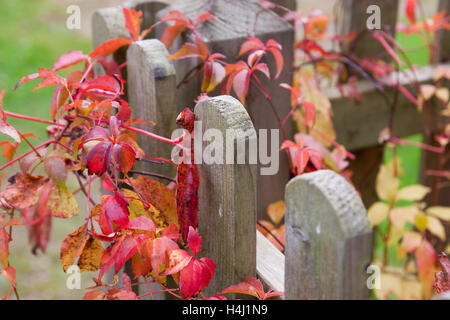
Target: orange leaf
{"points": [[133, 21], [109, 47]]}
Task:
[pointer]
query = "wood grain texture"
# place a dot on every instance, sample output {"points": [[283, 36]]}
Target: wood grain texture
{"points": [[227, 198], [358, 124], [234, 23], [151, 93], [354, 18], [109, 23], [328, 239], [269, 263]]}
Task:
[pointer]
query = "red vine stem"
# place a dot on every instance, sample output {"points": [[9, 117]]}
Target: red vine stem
{"points": [[21, 116], [25, 154]]}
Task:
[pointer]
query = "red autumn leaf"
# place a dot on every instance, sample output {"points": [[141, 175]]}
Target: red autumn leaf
{"points": [[23, 192], [9, 149], [194, 241], [214, 73], [178, 260], [124, 156], [425, 259], [109, 47], [102, 87], [133, 21], [262, 67], [316, 26], [124, 113], [186, 119], [254, 45], [94, 295], [196, 276], [410, 11], [171, 232], [10, 274], [69, 59], [181, 23], [203, 17], [114, 210], [251, 44], [310, 46], [142, 223], [158, 249], [241, 84], [188, 182], [125, 251], [96, 133], [98, 158], [442, 281], [300, 156], [39, 232], [4, 247], [251, 286]]}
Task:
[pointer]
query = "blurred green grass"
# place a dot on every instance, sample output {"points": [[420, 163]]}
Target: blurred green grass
{"points": [[34, 34]]}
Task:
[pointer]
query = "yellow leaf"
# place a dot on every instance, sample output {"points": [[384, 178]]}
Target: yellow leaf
{"points": [[400, 215], [427, 91], [387, 183], [421, 221], [91, 256], [312, 94], [398, 286], [436, 228], [443, 94], [442, 213], [72, 246], [61, 202], [390, 284], [413, 193], [275, 211], [377, 213]]}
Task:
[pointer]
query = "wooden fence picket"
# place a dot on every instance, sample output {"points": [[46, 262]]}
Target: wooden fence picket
{"points": [[227, 195], [151, 88], [328, 239]]}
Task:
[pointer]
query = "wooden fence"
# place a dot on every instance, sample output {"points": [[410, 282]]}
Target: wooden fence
{"points": [[328, 235]]}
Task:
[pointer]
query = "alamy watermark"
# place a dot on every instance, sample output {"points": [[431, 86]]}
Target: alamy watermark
{"points": [[236, 147]]}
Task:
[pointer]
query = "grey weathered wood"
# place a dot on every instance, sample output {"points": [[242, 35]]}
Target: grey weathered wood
{"points": [[151, 94], [109, 23], [234, 22], [354, 18], [443, 36], [227, 197], [328, 239], [358, 125], [269, 263]]}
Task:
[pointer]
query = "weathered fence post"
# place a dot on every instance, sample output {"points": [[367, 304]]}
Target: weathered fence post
{"points": [[234, 22], [151, 94], [227, 194], [328, 239]]}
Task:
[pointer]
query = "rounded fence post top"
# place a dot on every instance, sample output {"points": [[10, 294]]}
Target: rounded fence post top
{"points": [[338, 193]]}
